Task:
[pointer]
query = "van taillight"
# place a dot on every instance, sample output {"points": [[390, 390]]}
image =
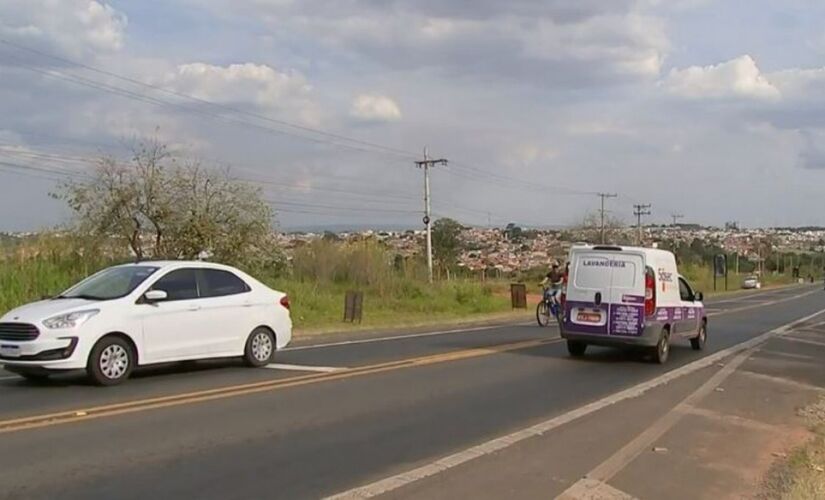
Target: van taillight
{"points": [[650, 292], [285, 302], [563, 295]]}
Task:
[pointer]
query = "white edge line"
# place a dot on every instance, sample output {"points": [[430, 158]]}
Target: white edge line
{"points": [[402, 337], [305, 368], [13, 377], [394, 482], [716, 312]]}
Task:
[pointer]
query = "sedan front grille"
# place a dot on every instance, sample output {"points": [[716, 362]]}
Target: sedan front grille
{"points": [[18, 331]]}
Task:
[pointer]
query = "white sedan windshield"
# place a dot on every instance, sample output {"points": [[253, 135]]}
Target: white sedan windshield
{"points": [[111, 283]]}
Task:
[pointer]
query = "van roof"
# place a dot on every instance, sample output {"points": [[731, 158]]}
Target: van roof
{"points": [[618, 248]]}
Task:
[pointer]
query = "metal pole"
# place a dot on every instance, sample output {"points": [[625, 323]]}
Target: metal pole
{"points": [[726, 272], [426, 164], [427, 216], [639, 211], [602, 211]]}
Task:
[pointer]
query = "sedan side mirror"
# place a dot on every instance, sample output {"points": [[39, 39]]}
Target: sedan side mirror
{"points": [[698, 297], [155, 296]]}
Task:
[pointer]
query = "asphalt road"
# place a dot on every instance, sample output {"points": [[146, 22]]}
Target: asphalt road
{"points": [[327, 418]]}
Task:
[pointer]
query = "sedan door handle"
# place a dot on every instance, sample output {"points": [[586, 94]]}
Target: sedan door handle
{"points": [[194, 308]]}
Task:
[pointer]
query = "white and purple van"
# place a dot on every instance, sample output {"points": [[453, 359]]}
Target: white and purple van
{"points": [[629, 297]]}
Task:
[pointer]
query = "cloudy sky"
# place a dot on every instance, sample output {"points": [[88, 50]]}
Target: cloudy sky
{"points": [[714, 109]]}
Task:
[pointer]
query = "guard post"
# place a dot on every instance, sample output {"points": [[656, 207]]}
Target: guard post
{"points": [[518, 295], [353, 306]]}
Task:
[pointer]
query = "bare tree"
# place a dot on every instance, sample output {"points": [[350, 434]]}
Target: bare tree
{"points": [[590, 229], [161, 207]]}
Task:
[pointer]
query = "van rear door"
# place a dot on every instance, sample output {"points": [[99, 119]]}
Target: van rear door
{"points": [[627, 294], [606, 292]]}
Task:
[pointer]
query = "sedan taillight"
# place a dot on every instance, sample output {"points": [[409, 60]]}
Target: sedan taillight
{"points": [[285, 302]]}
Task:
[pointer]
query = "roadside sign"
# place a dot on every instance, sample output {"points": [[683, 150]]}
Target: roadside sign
{"points": [[720, 269], [721, 265]]}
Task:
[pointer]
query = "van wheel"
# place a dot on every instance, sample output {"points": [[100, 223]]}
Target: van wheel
{"points": [[662, 349], [576, 348], [260, 348], [698, 342]]}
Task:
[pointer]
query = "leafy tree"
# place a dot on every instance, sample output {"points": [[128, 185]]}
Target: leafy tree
{"points": [[513, 232], [446, 243]]}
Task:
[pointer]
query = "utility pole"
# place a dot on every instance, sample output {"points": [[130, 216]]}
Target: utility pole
{"points": [[676, 218], [602, 211], [639, 211], [426, 164]]}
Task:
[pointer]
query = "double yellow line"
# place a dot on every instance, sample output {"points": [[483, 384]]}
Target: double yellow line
{"points": [[79, 415]]}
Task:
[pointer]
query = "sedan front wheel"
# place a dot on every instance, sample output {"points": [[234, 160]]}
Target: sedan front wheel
{"points": [[111, 361]]}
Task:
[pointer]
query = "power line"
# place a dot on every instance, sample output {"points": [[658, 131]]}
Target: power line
{"points": [[376, 148], [78, 80], [213, 104], [676, 218]]}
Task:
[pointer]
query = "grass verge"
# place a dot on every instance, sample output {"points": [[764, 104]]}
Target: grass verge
{"points": [[802, 475]]}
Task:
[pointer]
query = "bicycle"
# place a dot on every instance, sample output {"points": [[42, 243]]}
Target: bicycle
{"points": [[548, 306]]}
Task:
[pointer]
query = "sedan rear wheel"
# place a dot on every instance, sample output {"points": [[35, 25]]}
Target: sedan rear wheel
{"points": [[260, 347]]}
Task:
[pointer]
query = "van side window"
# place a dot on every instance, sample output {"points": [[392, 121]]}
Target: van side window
{"points": [[685, 292]]}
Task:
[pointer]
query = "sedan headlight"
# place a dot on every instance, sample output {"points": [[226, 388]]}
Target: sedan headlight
{"points": [[70, 320]]}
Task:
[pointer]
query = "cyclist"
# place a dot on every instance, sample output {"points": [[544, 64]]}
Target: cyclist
{"points": [[553, 280]]}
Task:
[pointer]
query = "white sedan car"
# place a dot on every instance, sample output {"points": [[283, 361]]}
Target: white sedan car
{"points": [[751, 283], [144, 313]]}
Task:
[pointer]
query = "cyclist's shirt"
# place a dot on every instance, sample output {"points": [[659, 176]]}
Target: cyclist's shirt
{"points": [[555, 278]]}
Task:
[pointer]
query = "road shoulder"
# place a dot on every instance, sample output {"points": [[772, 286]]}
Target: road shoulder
{"points": [[714, 433]]}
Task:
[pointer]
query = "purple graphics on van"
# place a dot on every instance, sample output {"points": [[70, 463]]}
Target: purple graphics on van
{"points": [[626, 319], [679, 313]]}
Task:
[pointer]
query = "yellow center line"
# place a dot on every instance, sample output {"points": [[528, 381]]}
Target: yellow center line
{"points": [[64, 417]]}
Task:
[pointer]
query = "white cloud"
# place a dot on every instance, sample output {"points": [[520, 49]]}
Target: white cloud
{"points": [[738, 77], [800, 83], [262, 86], [73, 28], [375, 108], [549, 42]]}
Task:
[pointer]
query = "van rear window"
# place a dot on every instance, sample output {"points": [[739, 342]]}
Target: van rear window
{"points": [[592, 271], [625, 276]]}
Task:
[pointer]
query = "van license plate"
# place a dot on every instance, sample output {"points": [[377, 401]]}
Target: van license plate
{"points": [[588, 317]]}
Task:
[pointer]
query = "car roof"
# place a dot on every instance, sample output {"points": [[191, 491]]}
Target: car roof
{"points": [[174, 264], [620, 248]]}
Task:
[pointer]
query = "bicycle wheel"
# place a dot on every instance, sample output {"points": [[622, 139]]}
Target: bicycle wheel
{"points": [[543, 314]]}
